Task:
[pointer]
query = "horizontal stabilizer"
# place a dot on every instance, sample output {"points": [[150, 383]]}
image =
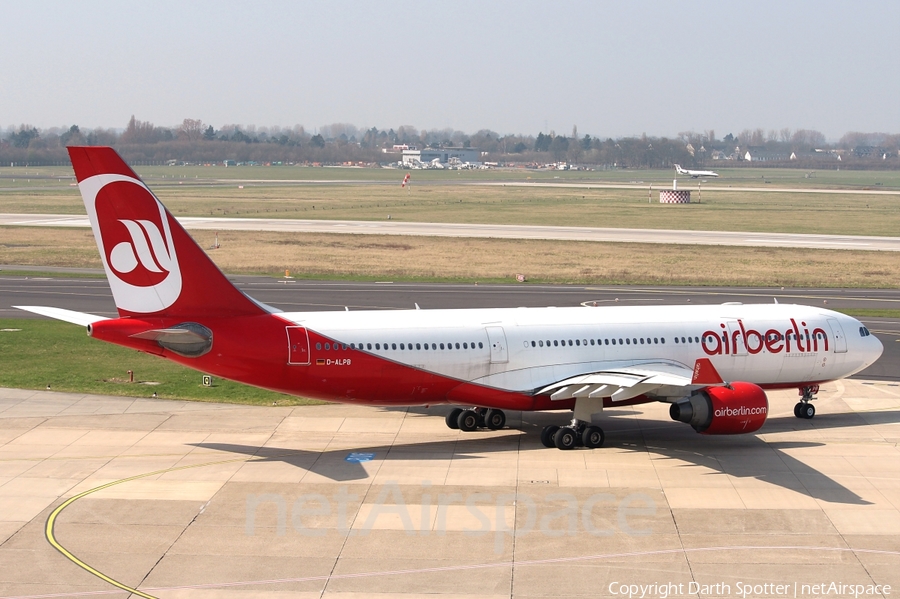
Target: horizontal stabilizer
{"points": [[80, 318]]}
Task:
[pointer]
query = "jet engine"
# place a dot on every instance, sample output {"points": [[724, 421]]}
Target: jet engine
{"points": [[738, 408]]}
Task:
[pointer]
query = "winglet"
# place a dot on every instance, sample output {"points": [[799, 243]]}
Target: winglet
{"points": [[705, 373]]}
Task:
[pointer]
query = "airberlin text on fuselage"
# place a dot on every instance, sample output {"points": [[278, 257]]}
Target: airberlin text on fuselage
{"points": [[794, 338]]}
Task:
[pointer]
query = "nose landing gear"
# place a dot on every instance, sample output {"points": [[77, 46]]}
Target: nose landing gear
{"points": [[804, 409]]}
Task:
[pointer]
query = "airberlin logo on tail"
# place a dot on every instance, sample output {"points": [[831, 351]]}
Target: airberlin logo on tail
{"points": [[144, 257], [132, 232], [740, 340]]}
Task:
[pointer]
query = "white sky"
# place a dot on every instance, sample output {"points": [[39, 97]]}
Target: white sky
{"points": [[611, 68]]}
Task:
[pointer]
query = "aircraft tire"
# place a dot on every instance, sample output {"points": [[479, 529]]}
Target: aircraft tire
{"points": [[452, 418], [593, 437], [495, 419], [808, 411], [797, 409], [547, 436], [565, 438], [467, 421]]}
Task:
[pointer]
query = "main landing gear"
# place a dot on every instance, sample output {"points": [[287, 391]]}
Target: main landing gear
{"points": [[804, 409], [475, 418], [577, 434]]}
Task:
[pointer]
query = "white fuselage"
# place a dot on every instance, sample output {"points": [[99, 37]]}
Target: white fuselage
{"points": [[524, 349]]}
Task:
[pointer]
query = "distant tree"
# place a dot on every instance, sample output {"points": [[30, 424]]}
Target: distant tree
{"points": [[209, 134], [542, 143], [317, 141], [191, 129], [559, 146], [72, 137], [519, 148], [23, 137], [586, 142]]}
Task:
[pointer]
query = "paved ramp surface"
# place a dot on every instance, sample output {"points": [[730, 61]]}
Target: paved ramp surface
{"points": [[177, 499]]}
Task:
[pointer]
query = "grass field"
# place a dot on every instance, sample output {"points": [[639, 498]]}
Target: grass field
{"points": [[376, 257], [37, 353]]}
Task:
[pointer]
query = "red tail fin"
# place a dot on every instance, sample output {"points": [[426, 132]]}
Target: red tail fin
{"points": [[153, 266]]}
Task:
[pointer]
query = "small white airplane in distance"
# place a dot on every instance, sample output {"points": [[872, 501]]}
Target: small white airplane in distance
{"points": [[694, 174], [710, 363]]}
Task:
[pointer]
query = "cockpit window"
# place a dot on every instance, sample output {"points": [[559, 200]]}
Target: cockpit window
{"points": [[864, 332]]}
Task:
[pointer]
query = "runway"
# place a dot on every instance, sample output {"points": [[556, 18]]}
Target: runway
{"points": [[598, 234], [93, 296]]}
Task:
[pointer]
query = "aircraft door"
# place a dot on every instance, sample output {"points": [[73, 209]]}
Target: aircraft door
{"points": [[497, 340], [837, 334], [298, 346], [736, 342]]}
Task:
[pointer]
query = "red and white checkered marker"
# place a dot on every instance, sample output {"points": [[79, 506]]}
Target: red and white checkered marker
{"points": [[405, 180]]}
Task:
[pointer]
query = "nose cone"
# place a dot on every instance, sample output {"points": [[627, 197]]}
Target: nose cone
{"points": [[875, 349]]}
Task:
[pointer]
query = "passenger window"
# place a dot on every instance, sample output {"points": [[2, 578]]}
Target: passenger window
{"points": [[614, 341], [318, 346], [480, 345], [606, 342], [577, 342], [401, 346], [377, 346], [570, 342], [457, 346], [540, 343], [592, 342], [533, 344], [628, 341], [555, 343], [634, 341], [466, 345], [442, 346], [662, 339]]}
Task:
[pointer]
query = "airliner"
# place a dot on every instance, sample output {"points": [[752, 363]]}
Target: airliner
{"points": [[694, 174], [712, 364]]}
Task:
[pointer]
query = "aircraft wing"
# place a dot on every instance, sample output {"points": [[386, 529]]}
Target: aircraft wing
{"points": [[80, 318], [665, 379]]}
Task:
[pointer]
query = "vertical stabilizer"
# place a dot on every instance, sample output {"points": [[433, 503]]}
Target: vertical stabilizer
{"points": [[153, 266]]}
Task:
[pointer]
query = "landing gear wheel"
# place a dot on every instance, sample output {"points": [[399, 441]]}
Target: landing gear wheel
{"points": [[467, 421], [565, 438], [593, 437], [452, 418], [547, 435], [808, 411], [797, 409], [495, 419]]}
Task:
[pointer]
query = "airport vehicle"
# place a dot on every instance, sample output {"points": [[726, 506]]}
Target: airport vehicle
{"points": [[711, 363], [694, 174]]}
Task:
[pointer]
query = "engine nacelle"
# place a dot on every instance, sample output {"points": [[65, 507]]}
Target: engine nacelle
{"points": [[722, 411]]}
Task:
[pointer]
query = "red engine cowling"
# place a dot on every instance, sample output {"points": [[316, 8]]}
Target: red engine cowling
{"points": [[722, 411]]}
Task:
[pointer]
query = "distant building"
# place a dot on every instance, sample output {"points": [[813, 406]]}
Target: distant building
{"points": [[443, 155], [763, 155]]}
